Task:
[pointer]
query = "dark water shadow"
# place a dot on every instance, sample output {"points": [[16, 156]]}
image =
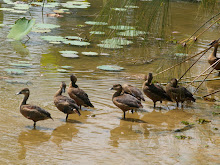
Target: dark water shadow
{"points": [[38, 128], [133, 120]]}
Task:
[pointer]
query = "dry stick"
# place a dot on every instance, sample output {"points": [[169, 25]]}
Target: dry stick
{"points": [[211, 93], [208, 28], [206, 76], [203, 72], [200, 28], [181, 62]]}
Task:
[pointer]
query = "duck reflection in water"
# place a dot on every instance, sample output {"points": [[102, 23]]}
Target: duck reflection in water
{"points": [[30, 138], [65, 132], [131, 129]]}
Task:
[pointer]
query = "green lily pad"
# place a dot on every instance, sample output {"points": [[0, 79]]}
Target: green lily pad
{"points": [[22, 64], [62, 70], [21, 28], [18, 11], [117, 41], [66, 67], [131, 33], [14, 71], [181, 54], [90, 53], [76, 43], [76, 4], [1, 25], [114, 68], [96, 32], [131, 7], [122, 27], [69, 55], [68, 52], [55, 42], [119, 9], [95, 23], [46, 26], [40, 30], [73, 38], [104, 54], [53, 38], [110, 46], [21, 6]]}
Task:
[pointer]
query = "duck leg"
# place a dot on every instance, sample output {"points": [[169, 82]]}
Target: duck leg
{"points": [[177, 104], [67, 116], [154, 104], [124, 114], [132, 111], [34, 124]]}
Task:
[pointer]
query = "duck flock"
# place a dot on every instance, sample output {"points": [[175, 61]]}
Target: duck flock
{"points": [[126, 97]]}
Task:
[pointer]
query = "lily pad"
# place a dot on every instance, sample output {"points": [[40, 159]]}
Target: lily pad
{"points": [[46, 26], [68, 52], [14, 71], [110, 46], [18, 11], [53, 38], [117, 41], [181, 54], [114, 68], [70, 55], [104, 54], [66, 67], [119, 9], [21, 6], [131, 33], [131, 7], [90, 53], [122, 27], [97, 32], [21, 28], [95, 23], [76, 43], [73, 38], [6, 9], [62, 70], [40, 30], [22, 64]]}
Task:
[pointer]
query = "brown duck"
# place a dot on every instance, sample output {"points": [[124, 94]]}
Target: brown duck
{"points": [[77, 94], [32, 112], [124, 101], [64, 103], [177, 93], [154, 92], [212, 57], [129, 89]]}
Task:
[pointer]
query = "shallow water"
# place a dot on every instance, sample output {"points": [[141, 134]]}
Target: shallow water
{"points": [[100, 135]]}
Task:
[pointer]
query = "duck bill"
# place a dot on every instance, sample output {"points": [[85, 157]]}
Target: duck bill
{"points": [[18, 93]]}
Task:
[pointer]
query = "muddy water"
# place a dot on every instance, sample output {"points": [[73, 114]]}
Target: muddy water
{"points": [[99, 135]]}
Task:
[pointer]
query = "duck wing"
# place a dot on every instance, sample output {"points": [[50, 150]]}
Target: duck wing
{"points": [[129, 100], [158, 90], [83, 96]]}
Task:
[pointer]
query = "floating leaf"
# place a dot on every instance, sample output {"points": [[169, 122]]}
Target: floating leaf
{"points": [[76, 43], [90, 53], [68, 52], [21, 6], [117, 41], [119, 9], [73, 38], [53, 38], [67, 67], [131, 33], [6, 9], [62, 70], [14, 71], [21, 28], [18, 11], [46, 26], [114, 68], [131, 7], [110, 46], [96, 32], [122, 27], [104, 54], [22, 64], [95, 23], [181, 54]]}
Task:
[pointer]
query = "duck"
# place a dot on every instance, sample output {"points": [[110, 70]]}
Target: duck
{"points": [[212, 57], [132, 90], [124, 101], [64, 103], [77, 94], [178, 93], [153, 91], [32, 112]]}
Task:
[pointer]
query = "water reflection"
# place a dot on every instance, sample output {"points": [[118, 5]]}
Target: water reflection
{"points": [[20, 48], [31, 138], [65, 132], [129, 129]]}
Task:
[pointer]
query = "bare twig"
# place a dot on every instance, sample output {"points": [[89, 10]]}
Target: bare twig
{"points": [[211, 93]]}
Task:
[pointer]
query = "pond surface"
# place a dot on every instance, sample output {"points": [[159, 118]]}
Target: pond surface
{"points": [[100, 135]]}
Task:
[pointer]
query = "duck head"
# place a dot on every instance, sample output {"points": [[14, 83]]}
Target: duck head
{"points": [[63, 87], [24, 91], [73, 78]]}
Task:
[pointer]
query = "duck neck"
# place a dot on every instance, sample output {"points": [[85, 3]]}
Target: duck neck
{"points": [[24, 102], [58, 93], [117, 93], [214, 53], [73, 84]]}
